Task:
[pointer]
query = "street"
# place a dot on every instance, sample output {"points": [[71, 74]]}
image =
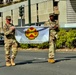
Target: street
{"points": [[35, 63]]}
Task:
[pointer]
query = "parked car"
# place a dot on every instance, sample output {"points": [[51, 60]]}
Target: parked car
{"points": [[1, 39]]}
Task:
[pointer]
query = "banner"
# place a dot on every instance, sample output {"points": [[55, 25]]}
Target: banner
{"points": [[32, 34]]}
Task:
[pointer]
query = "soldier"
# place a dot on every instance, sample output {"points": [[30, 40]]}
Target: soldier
{"points": [[10, 42], [53, 25]]}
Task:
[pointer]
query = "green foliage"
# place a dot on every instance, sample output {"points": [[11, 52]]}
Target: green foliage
{"points": [[24, 46], [71, 36], [32, 45], [62, 36], [43, 45], [40, 46], [66, 38]]}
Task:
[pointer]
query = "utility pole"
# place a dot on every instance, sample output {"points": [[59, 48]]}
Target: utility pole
{"points": [[29, 12], [37, 15]]}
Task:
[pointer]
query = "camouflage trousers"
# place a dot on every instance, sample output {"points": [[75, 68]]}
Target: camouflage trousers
{"points": [[52, 44], [10, 45]]}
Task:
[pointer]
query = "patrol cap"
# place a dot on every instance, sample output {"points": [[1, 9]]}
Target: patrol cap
{"points": [[8, 17], [51, 14]]}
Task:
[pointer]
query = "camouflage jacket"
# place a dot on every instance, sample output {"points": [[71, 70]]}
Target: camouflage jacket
{"points": [[8, 34], [51, 24]]}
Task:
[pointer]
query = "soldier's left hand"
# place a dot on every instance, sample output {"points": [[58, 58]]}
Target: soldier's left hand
{"points": [[12, 28]]}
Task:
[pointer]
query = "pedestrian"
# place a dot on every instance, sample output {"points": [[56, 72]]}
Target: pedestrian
{"points": [[10, 42], [53, 25]]}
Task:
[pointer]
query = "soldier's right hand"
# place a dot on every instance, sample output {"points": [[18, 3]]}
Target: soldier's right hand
{"points": [[12, 28]]}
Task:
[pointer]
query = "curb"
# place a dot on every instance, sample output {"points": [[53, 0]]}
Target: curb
{"points": [[57, 50]]}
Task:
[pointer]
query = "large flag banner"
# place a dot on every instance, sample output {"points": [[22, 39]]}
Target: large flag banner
{"points": [[32, 34]]}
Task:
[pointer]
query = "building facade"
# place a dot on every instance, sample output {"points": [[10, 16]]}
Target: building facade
{"points": [[67, 10], [42, 8]]}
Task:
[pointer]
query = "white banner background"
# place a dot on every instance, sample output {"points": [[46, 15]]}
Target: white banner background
{"points": [[42, 37]]}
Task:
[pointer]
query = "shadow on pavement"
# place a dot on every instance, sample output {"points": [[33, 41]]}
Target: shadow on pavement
{"points": [[71, 57], [2, 66], [64, 59], [40, 61], [30, 61]]}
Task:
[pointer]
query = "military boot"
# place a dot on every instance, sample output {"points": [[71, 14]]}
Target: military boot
{"points": [[51, 60], [12, 62], [8, 63], [7, 57]]}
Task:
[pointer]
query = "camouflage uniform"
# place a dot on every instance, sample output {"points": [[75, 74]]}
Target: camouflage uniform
{"points": [[53, 36], [10, 42]]}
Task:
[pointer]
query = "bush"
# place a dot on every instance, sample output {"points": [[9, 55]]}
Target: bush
{"points": [[66, 39], [62, 36], [71, 37], [40, 46], [24, 46], [43, 45]]}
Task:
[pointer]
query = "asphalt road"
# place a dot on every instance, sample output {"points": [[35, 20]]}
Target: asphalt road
{"points": [[35, 63]]}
